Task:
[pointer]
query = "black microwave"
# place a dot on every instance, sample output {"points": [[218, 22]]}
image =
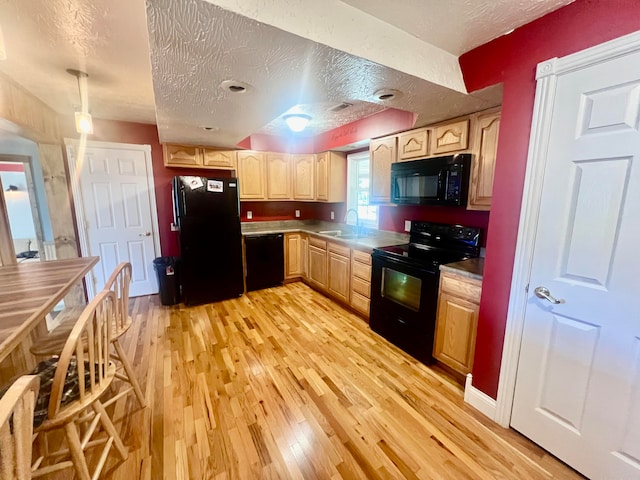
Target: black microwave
{"points": [[431, 181]]}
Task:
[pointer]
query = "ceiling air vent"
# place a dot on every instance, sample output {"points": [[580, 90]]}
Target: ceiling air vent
{"points": [[340, 106]]}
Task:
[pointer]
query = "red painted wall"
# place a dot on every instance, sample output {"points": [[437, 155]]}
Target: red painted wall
{"points": [[512, 59], [262, 211], [11, 167], [392, 218]]}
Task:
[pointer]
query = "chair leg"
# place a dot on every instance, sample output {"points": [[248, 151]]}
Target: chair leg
{"points": [[130, 373], [77, 454], [110, 429]]}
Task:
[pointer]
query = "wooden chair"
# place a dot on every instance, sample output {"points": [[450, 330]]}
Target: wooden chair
{"points": [[83, 372], [52, 343], [16, 428]]}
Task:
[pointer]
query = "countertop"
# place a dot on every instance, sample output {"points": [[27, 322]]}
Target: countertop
{"points": [[471, 268], [367, 241]]}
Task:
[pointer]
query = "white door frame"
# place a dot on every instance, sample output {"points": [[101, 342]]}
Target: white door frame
{"points": [[79, 146], [546, 76]]}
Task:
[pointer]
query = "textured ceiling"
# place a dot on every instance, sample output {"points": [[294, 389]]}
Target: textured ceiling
{"points": [[166, 67]]}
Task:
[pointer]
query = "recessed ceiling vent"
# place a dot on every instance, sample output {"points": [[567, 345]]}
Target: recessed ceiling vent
{"points": [[234, 86], [386, 94], [340, 106]]}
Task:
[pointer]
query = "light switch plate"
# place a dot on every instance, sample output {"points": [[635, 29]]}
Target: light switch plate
{"points": [[297, 213], [407, 225], [174, 227], [333, 215], [249, 214]]}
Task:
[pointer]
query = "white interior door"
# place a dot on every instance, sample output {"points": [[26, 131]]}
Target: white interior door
{"points": [[578, 381], [118, 211]]}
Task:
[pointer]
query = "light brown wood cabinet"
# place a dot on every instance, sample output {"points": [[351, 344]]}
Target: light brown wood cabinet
{"points": [[182, 156], [292, 255], [360, 281], [278, 176], [303, 176], [304, 254], [219, 159], [413, 144], [317, 258], [457, 321], [339, 266], [382, 152], [331, 177], [251, 175], [487, 127], [450, 137]]}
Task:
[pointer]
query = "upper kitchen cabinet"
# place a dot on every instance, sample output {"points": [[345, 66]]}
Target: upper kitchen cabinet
{"points": [[382, 152], [413, 144], [251, 175], [450, 137], [182, 156], [303, 167], [487, 126], [219, 159], [331, 177], [278, 176]]}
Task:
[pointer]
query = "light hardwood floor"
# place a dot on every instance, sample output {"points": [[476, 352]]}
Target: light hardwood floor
{"points": [[283, 383]]}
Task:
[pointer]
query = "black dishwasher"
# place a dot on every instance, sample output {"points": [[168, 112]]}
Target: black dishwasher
{"points": [[264, 255]]}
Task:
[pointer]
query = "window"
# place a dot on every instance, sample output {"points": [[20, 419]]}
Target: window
{"points": [[358, 190]]}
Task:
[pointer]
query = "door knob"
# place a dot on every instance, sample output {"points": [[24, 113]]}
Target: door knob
{"points": [[145, 234], [543, 292]]}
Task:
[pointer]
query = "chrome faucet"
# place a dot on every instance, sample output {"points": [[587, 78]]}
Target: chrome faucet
{"points": [[357, 219]]}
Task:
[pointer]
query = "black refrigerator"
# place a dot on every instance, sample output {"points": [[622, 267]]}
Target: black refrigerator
{"points": [[207, 213]]}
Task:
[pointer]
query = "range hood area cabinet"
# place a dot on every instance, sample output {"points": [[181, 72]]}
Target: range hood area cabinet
{"points": [[191, 156], [476, 134]]}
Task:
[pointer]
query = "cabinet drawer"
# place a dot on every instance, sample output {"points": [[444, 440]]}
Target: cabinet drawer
{"points": [[462, 287], [361, 286], [361, 270], [316, 242], [360, 303], [362, 257], [339, 249]]}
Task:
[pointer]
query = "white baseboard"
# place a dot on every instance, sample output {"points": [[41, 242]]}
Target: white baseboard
{"points": [[479, 400]]}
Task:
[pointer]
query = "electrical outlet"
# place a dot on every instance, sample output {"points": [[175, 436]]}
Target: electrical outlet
{"points": [[174, 227], [333, 215], [407, 225], [249, 214], [297, 213]]}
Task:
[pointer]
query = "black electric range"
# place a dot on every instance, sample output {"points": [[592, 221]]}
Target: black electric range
{"points": [[404, 283]]}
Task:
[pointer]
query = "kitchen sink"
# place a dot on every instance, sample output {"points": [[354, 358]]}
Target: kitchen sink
{"points": [[340, 234]]}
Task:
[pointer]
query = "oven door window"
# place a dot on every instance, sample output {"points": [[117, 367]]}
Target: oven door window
{"points": [[401, 288]]}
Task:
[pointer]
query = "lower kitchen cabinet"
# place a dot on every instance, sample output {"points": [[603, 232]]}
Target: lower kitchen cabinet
{"points": [[457, 321], [339, 268], [317, 257], [360, 281], [292, 255]]}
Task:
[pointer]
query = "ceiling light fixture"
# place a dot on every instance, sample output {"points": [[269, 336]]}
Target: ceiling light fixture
{"points": [[84, 124], [297, 122]]}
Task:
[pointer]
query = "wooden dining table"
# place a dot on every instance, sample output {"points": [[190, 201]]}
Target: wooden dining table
{"points": [[28, 292]]}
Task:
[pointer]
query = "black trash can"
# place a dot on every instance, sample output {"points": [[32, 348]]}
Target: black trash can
{"points": [[168, 271]]}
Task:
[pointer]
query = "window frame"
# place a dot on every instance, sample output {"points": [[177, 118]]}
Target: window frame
{"points": [[352, 190]]}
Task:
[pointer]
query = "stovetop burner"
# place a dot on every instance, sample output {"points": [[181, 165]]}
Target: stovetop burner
{"points": [[435, 244]]}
